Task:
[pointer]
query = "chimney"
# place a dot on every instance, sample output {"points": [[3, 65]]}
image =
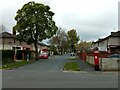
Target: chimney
{"points": [[112, 33]]}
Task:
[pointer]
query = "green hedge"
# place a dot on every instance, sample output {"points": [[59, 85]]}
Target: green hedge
{"points": [[7, 60], [25, 52], [7, 56]]}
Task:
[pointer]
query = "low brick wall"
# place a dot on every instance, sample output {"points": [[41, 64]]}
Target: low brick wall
{"points": [[106, 64], [84, 55], [90, 60]]}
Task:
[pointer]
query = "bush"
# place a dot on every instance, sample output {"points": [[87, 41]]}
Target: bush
{"points": [[25, 52], [7, 60], [7, 56]]}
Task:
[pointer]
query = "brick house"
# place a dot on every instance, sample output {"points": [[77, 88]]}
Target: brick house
{"points": [[110, 44], [9, 42]]}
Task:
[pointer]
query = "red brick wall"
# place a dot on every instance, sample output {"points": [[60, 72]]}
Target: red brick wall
{"points": [[84, 54]]}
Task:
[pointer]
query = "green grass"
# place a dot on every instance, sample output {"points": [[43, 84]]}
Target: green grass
{"points": [[71, 66], [15, 64]]}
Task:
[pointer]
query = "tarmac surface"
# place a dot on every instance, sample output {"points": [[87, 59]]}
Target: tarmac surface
{"points": [[49, 74]]}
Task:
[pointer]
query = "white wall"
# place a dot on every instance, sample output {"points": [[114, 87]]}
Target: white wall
{"points": [[110, 64], [1, 47], [113, 41], [107, 64], [109, 41], [6, 47], [103, 45]]}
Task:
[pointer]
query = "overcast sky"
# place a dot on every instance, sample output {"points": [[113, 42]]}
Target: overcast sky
{"points": [[92, 19]]}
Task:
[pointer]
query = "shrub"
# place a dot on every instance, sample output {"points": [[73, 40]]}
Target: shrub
{"points": [[7, 56], [25, 52], [7, 60]]}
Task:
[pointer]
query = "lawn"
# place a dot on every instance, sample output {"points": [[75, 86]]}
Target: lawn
{"points": [[15, 64], [71, 66]]}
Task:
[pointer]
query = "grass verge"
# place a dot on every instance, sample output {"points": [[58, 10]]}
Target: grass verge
{"points": [[71, 66], [15, 64]]}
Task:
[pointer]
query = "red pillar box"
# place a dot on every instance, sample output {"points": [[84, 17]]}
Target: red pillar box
{"points": [[96, 60]]}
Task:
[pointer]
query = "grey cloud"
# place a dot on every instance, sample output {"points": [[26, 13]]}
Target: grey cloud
{"points": [[90, 27]]}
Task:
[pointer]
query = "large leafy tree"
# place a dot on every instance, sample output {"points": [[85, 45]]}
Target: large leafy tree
{"points": [[34, 23], [72, 39]]}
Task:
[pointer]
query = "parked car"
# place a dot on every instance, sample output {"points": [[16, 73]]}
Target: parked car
{"points": [[114, 56], [43, 56], [72, 54]]}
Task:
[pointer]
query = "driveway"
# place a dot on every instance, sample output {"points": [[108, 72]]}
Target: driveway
{"points": [[48, 74]]}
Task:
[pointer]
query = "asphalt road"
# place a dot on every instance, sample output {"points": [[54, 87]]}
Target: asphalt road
{"points": [[48, 74]]}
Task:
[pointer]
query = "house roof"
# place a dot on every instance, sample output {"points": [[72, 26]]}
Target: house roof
{"points": [[6, 35], [9, 35], [113, 34]]}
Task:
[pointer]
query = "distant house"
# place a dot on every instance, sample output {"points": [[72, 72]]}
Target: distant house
{"points": [[110, 44], [8, 41]]}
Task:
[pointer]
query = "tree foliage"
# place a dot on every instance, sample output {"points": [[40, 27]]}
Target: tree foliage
{"points": [[72, 39], [72, 36], [60, 40], [34, 23], [83, 45]]}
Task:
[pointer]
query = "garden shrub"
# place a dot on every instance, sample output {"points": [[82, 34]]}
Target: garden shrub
{"points": [[25, 52], [7, 60], [7, 56]]}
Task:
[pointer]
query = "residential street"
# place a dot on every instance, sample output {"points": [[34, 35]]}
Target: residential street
{"points": [[48, 74]]}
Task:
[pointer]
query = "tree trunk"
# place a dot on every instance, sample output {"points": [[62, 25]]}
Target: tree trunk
{"points": [[58, 50], [36, 51], [61, 50]]}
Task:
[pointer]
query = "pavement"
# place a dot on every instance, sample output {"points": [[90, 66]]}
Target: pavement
{"points": [[49, 74]]}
